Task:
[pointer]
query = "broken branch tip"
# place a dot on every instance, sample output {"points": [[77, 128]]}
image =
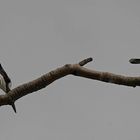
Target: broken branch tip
{"points": [[85, 61]]}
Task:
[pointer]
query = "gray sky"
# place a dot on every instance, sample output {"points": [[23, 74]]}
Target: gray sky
{"points": [[37, 36]]}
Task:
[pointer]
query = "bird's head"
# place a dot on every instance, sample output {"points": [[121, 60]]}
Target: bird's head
{"points": [[5, 82]]}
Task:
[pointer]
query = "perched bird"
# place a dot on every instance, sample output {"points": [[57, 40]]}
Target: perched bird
{"points": [[134, 61], [5, 84]]}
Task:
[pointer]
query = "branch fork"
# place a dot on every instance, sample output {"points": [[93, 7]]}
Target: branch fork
{"points": [[68, 69]]}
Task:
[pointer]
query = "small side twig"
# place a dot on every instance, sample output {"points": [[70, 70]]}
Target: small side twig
{"points": [[85, 61]]}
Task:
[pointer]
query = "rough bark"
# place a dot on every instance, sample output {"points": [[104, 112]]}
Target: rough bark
{"points": [[68, 69]]}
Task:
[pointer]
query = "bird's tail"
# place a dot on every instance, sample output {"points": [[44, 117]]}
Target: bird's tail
{"points": [[14, 107], [12, 103], [134, 61]]}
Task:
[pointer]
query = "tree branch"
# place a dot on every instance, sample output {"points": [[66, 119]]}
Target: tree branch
{"points": [[68, 69]]}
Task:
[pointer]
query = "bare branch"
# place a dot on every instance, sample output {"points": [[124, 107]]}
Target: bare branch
{"points": [[68, 69]]}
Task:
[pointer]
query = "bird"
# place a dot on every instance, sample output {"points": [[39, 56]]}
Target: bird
{"points": [[5, 84], [134, 60]]}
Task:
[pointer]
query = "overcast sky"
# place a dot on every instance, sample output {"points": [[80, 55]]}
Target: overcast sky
{"points": [[37, 36]]}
